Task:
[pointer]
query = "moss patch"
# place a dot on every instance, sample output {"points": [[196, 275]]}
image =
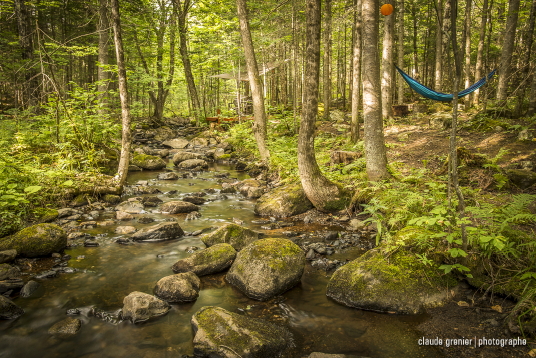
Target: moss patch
{"points": [[36, 240]]}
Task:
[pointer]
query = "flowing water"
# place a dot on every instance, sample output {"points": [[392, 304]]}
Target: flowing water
{"points": [[106, 274]]}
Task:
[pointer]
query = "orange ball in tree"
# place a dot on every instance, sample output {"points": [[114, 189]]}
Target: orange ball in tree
{"points": [[386, 9]]}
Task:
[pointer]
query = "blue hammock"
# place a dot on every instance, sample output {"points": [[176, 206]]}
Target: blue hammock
{"points": [[438, 96]]}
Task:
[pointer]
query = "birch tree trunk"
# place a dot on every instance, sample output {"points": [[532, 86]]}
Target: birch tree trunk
{"points": [[376, 157], [122, 170], [259, 126], [325, 195]]}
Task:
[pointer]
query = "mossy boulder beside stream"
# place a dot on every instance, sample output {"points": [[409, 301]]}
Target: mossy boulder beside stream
{"points": [[390, 282], [36, 240], [284, 201], [149, 162], [211, 260], [267, 268], [220, 333], [235, 235]]}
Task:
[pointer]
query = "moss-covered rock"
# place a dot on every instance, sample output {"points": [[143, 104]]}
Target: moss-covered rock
{"points": [[7, 256], [178, 207], [284, 201], [45, 215], [66, 328], [79, 200], [159, 232], [251, 188], [521, 178], [131, 207], [139, 307], [182, 287], [208, 261], [9, 310], [149, 162], [235, 235], [267, 268], [8, 272], [192, 164], [181, 156], [36, 240], [220, 333], [111, 199], [397, 283]]}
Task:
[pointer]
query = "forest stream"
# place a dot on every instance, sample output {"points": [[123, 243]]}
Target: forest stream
{"points": [[98, 278]]}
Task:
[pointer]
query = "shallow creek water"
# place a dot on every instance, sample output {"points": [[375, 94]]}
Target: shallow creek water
{"points": [[111, 271]]}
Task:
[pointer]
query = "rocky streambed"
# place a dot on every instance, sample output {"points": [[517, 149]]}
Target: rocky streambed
{"points": [[181, 265]]}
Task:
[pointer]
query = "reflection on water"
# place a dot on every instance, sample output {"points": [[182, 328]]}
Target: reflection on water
{"points": [[110, 272]]}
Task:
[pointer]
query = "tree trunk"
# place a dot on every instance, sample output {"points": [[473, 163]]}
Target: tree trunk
{"points": [[183, 49], [356, 75], [324, 195], [376, 157], [327, 61], [30, 86], [122, 170], [259, 127], [387, 66], [480, 50], [507, 50], [439, 48], [415, 50], [103, 58], [467, 42], [400, 49]]}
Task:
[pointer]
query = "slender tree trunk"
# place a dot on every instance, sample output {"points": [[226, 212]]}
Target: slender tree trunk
{"points": [[30, 85], [103, 58], [122, 170], [183, 9], [400, 49], [525, 63], [356, 75], [259, 127], [327, 61], [480, 50], [467, 43], [415, 49], [376, 157], [507, 50], [324, 195], [387, 66], [439, 47]]}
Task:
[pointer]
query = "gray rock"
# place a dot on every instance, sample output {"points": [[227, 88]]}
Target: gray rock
{"points": [[525, 134], [182, 287], [7, 271], [193, 163], [235, 235], [251, 188], [267, 268], [284, 201], [521, 178], [355, 224], [177, 143], [125, 230], [66, 328], [11, 284], [7, 256], [149, 162], [180, 157], [194, 200], [29, 288], [9, 310], [168, 176], [123, 216], [36, 240], [220, 333], [65, 212], [159, 232], [177, 207], [208, 261], [131, 207], [139, 307], [151, 201]]}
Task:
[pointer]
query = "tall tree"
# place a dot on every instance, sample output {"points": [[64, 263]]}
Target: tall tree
{"points": [[324, 194], [103, 76], [507, 50], [387, 66], [400, 55], [480, 49], [259, 126], [467, 43], [30, 85], [124, 158], [356, 73], [376, 156], [438, 74], [327, 61]]}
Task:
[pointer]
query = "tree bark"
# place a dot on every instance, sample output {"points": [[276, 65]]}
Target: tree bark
{"points": [[259, 113], [439, 48], [356, 75], [387, 66], [124, 158], [507, 50], [467, 43], [480, 50], [103, 58], [327, 61], [30, 85], [400, 49], [324, 195]]}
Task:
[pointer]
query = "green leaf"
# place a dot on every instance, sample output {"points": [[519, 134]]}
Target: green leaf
{"points": [[32, 189], [11, 186], [67, 183]]}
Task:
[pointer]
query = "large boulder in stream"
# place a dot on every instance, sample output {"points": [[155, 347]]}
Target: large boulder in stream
{"points": [[267, 268], [159, 232], [284, 201], [66, 328], [36, 240], [9, 310], [139, 307], [224, 334], [192, 164], [180, 157], [176, 143], [389, 282], [149, 162], [235, 235], [131, 207], [178, 207], [251, 188], [211, 260], [182, 287]]}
